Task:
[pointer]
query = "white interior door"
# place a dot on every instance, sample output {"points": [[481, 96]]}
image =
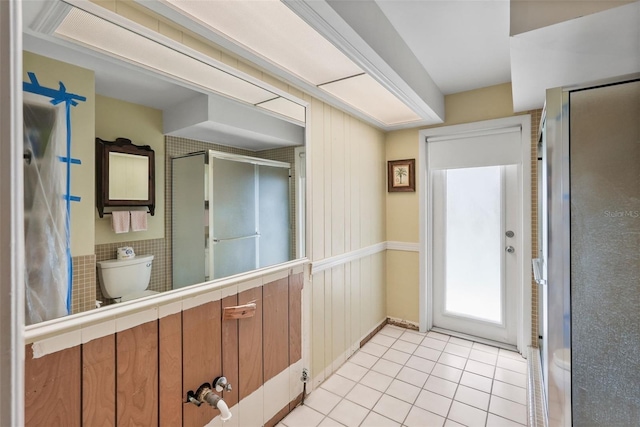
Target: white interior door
{"points": [[475, 241]]}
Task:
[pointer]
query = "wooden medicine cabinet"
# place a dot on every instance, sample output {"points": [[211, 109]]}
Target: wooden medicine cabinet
{"points": [[125, 175]]}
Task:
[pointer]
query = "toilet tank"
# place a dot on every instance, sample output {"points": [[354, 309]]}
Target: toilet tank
{"points": [[120, 277]]}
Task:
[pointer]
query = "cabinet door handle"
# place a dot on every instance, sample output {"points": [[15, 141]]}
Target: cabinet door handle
{"points": [[239, 311]]}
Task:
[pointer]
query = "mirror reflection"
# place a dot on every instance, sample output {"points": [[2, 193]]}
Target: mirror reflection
{"points": [[238, 210]]}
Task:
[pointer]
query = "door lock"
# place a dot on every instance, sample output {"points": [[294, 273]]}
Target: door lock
{"points": [[510, 233]]}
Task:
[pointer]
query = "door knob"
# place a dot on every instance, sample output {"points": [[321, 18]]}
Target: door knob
{"points": [[510, 249]]}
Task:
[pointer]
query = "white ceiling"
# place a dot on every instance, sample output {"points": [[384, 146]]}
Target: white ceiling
{"points": [[462, 45], [418, 50]]}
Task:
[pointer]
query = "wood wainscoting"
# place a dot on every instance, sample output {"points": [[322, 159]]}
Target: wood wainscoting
{"points": [[141, 375]]}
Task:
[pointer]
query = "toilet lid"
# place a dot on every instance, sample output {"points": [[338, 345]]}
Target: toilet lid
{"points": [[562, 358], [137, 295]]}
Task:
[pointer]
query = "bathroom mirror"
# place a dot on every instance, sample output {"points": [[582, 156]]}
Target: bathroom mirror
{"points": [[125, 175], [187, 105]]}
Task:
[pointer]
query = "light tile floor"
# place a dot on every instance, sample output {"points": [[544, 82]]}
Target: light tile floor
{"points": [[406, 378]]}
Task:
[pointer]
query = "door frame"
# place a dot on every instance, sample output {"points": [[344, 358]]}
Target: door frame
{"points": [[425, 196], [12, 348]]}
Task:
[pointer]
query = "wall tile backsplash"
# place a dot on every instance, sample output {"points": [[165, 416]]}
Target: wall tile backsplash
{"points": [[83, 296]]}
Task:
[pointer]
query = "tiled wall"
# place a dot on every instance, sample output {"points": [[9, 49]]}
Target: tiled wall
{"points": [[83, 296], [535, 124], [155, 247]]}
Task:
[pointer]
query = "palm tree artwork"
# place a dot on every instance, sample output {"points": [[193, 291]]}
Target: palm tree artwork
{"points": [[400, 172]]}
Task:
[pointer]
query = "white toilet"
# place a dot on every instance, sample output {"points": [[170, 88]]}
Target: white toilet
{"points": [[126, 279], [561, 368]]}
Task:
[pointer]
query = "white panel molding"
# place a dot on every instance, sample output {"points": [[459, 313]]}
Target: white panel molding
{"points": [[347, 257], [403, 246], [334, 261]]}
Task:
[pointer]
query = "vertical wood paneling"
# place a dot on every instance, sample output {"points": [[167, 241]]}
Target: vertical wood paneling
{"points": [[201, 357], [170, 357], [317, 326], [326, 176], [337, 316], [275, 327], [317, 181], [356, 193], [337, 182], [99, 382], [356, 301], [366, 317], [52, 386], [295, 317], [328, 321], [250, 370], [348, 339], [348, 179], [230, 352], [140, 376], [348, 175], [137, 375]]}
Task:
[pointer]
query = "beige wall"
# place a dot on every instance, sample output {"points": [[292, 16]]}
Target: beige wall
{"points": [[143, 126], [79, 81], [402, 208], [528, 15]]}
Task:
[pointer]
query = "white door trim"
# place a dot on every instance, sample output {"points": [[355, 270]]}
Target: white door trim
{"points": [[11, 217], [425, 197]]}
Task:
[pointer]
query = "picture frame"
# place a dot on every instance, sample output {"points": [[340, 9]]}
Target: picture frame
{"points": [[401, 176]]}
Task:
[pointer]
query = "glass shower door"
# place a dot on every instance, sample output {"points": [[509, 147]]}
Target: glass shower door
{"points": [[274, 216], [233, 235]]}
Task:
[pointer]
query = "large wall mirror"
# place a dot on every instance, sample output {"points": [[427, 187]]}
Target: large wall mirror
{"points": [[238, 130]]}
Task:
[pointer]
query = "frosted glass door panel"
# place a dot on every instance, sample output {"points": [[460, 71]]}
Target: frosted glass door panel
{"points": [[234, 217], [189, 221], [274, 221], [605, 256], [473, 266], [233, 199], [233, 257]]}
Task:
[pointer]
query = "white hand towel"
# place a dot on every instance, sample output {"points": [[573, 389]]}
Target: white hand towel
{"points": [[138, 220], [120, 221]]}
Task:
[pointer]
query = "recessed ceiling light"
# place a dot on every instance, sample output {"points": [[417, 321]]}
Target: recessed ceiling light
{"points": [[273, 31]]}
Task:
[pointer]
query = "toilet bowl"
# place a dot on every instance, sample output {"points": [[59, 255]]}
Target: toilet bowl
{"points": [[561, 368], [126, 279]]}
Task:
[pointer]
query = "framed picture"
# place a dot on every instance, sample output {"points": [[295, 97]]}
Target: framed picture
{"points": [[401, 175]]}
